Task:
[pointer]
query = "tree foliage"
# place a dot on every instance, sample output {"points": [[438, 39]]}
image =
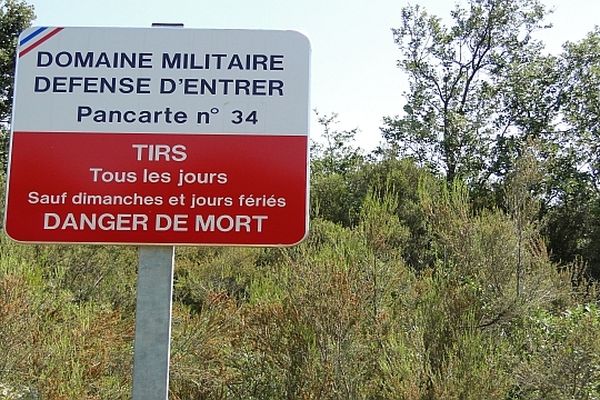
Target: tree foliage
{"points": [[573, 170], [458, 118], [483, 94], [15, 16], [581, 107], [335, 162]]}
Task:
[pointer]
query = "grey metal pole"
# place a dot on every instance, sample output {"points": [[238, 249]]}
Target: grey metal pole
{"points": [[153, 323], [152, 348]]}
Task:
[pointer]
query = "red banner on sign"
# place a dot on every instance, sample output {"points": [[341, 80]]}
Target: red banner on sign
{"points": [[157, 189]]}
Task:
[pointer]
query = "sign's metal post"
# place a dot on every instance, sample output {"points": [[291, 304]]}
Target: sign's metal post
{"points": [[154, 302], [153, 323]]}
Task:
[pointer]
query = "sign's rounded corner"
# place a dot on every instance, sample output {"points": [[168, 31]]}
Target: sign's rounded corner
{"points": [[11, 237], [25, 32], [301, 37], [300, 240]]}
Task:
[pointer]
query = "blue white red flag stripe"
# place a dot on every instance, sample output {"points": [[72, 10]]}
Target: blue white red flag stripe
{"points": [[32, 35], [40, 35]]}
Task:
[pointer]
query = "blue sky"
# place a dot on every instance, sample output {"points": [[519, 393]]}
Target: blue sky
{"points": [[354, 69]]}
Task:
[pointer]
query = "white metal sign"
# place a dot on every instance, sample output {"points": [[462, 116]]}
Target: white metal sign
{"points": [[163, 80]]}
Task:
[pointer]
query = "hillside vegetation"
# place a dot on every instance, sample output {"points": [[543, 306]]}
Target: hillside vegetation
{"points": [[421, 297]]}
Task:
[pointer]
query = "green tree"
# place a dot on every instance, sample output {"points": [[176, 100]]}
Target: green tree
{"points": [[458, 119], [335, 162], [573, 217], [15, 16], [581, 105], [335, 152]]}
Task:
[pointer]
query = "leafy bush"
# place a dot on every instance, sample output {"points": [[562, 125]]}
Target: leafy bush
{"points": [[422, 296]]}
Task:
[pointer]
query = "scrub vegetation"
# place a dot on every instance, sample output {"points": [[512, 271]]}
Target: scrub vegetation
{"points": [[460, 260]]}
